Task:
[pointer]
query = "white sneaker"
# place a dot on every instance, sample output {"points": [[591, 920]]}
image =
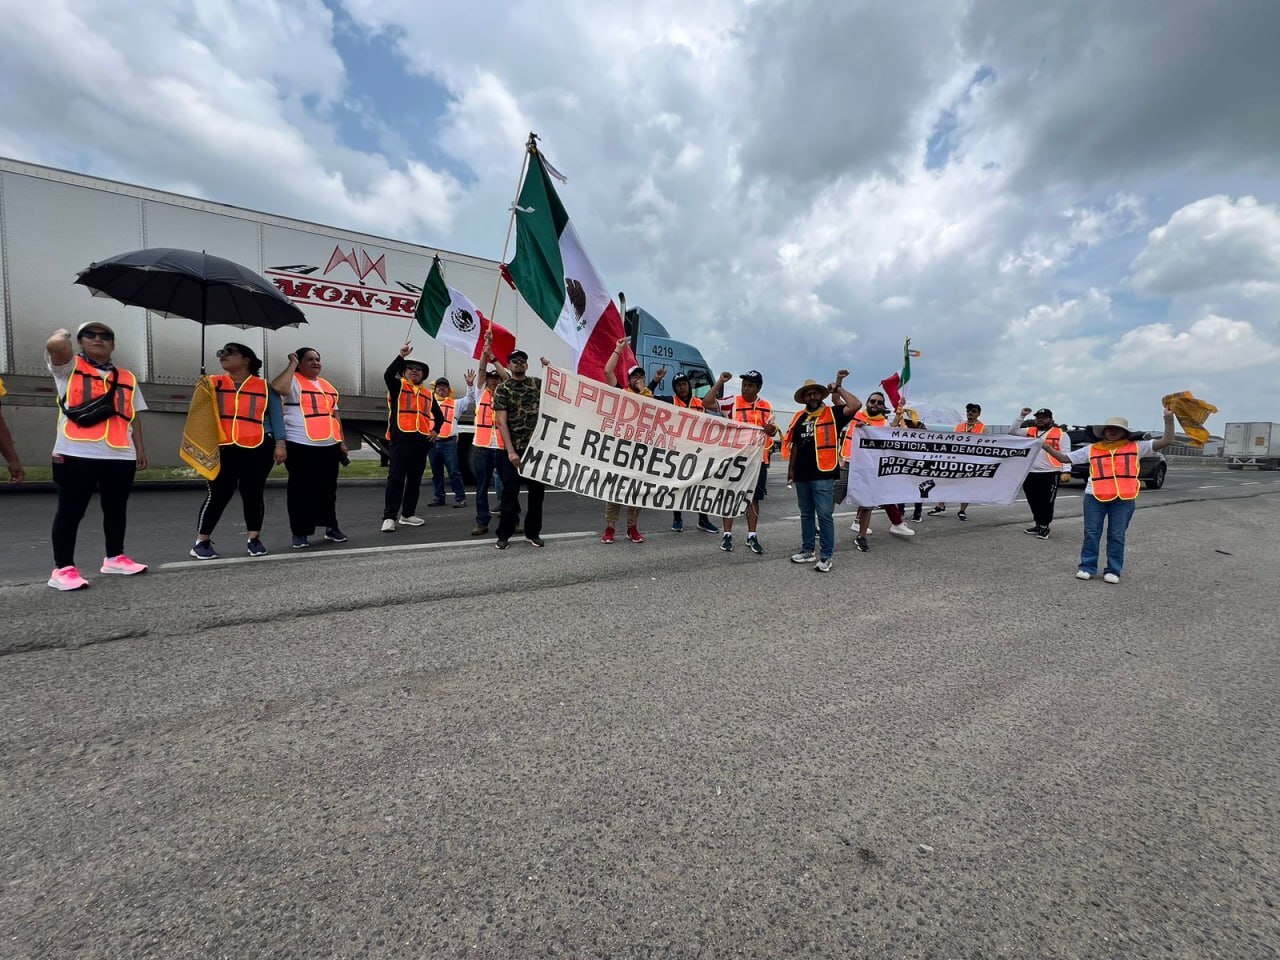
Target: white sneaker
{"points": [[1111, 577], [1083, 575], [414, 521], [823, 566], [803, 557], [388, 526], [901, 530]]}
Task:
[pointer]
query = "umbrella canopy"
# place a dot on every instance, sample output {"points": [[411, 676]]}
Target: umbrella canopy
{"points": [[192, 284]]}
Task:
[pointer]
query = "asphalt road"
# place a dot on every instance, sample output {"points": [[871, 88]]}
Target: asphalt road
{"points": [[946, 748]]}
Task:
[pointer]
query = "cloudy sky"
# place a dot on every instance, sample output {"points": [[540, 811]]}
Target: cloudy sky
{"points": [[1064, 203]]}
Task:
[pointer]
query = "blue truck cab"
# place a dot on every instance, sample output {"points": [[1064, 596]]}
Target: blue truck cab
{"points": [[654, 349]]}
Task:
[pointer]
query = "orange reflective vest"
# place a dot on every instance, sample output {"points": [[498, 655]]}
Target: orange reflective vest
{"points": [[488, 436], [1114, 473], [693, 404], [318, 400], [759, 413], [825, 439], [242, 410], [88, 383], [976, 427], [1053, 436], [846, 448], [413, 409], [446, 407]]}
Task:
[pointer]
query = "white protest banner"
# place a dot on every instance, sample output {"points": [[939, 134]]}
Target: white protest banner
{"points": [[896, 465], [618, 446]]}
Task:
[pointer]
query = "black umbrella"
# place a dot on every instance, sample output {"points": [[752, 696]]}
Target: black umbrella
{"points": [[191, 284]]}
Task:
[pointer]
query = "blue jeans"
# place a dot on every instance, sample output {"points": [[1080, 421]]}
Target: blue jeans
{"points": [[815, 497], [486, 464], [1117, 514], [444, 455]]}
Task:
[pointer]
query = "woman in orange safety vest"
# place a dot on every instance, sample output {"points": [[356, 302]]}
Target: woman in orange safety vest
{"points": [[1111, 494], [315, 447], [98, 447], [253, 441]]}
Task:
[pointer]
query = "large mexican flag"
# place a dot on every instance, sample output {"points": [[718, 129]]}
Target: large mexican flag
{"points": [[450, 316], [556, 278]]}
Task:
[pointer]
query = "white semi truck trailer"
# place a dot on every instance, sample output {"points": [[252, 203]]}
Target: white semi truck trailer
{"points": [[358, 293]]}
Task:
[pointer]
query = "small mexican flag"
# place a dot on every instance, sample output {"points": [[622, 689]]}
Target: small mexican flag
{"points": [[556, 278], [451, 317], [895, 387]]}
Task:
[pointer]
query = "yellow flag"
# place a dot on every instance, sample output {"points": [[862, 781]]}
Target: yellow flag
{"points": [[203, 431], [1191, 414]]}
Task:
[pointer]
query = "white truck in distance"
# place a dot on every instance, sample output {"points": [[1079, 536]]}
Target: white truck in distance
{"points": [[1252, 443]]}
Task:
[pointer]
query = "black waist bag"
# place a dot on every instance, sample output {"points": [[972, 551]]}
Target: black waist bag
{"points": [[93, 411]]}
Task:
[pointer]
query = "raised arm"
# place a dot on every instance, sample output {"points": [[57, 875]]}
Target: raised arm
{"points": [[283, 382], [611, 365], [59, 347], [1167, 439]]}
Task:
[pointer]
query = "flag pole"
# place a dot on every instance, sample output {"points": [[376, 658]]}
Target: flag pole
{"points": [[530, 146]]}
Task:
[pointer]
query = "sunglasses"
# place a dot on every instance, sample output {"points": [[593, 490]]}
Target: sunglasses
{"points": [[519, 359], [227, 352], [98, 335]]}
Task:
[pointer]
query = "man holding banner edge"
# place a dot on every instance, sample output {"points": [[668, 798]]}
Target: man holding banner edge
{"points": [[810, 445]]}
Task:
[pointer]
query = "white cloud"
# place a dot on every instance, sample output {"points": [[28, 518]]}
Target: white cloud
{"points": [[752, 171], [1212, 243]]}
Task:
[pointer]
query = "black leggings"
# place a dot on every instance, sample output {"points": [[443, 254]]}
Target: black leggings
{"points": [[77, 479], [312, 493], [243, 467]]}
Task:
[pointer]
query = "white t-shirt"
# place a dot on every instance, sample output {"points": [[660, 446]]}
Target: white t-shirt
{"points": [[295, 429], [1145, 449], [90, 449]]}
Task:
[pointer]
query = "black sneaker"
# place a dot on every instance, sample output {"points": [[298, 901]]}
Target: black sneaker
{"points": [[203, 550], [962, 516], [861, 544], [256, 548], [1033, 531], [937, 510], [1043, 534], [753, 544], [502, 545], [334, 535], [301, 542], [534, 541], [479, 531], [726, 543], [706, 526], [436, 503]]}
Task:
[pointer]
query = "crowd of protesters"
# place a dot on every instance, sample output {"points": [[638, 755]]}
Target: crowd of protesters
{"points": [[294, 419]]}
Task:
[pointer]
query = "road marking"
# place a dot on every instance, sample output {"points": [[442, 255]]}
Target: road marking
{"points": [[292, 554], [1208, 486], [1245, 483]]}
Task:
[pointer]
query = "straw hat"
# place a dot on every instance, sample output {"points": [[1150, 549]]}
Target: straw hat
{"points": [[809, 385]]}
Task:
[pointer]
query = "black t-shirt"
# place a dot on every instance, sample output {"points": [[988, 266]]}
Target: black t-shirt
{"points": [[804, 453]]}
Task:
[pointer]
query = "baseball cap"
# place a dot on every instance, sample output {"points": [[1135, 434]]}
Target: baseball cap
{"points": [[518, 355], [753, 375], [440, 380], [1044, 412], [973, 406], [633, 371], [679, 377], [491, 373], [89, 324]]}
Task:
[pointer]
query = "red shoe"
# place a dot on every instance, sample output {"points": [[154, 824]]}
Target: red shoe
{"points": [[608, 535], [633, 534]]}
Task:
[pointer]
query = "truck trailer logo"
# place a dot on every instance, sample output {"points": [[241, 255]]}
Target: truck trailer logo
{"points": [[300, 283]]}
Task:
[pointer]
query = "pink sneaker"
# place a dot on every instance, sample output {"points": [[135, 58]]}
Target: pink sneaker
{"points": [[123, 565], [67, 578]]}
